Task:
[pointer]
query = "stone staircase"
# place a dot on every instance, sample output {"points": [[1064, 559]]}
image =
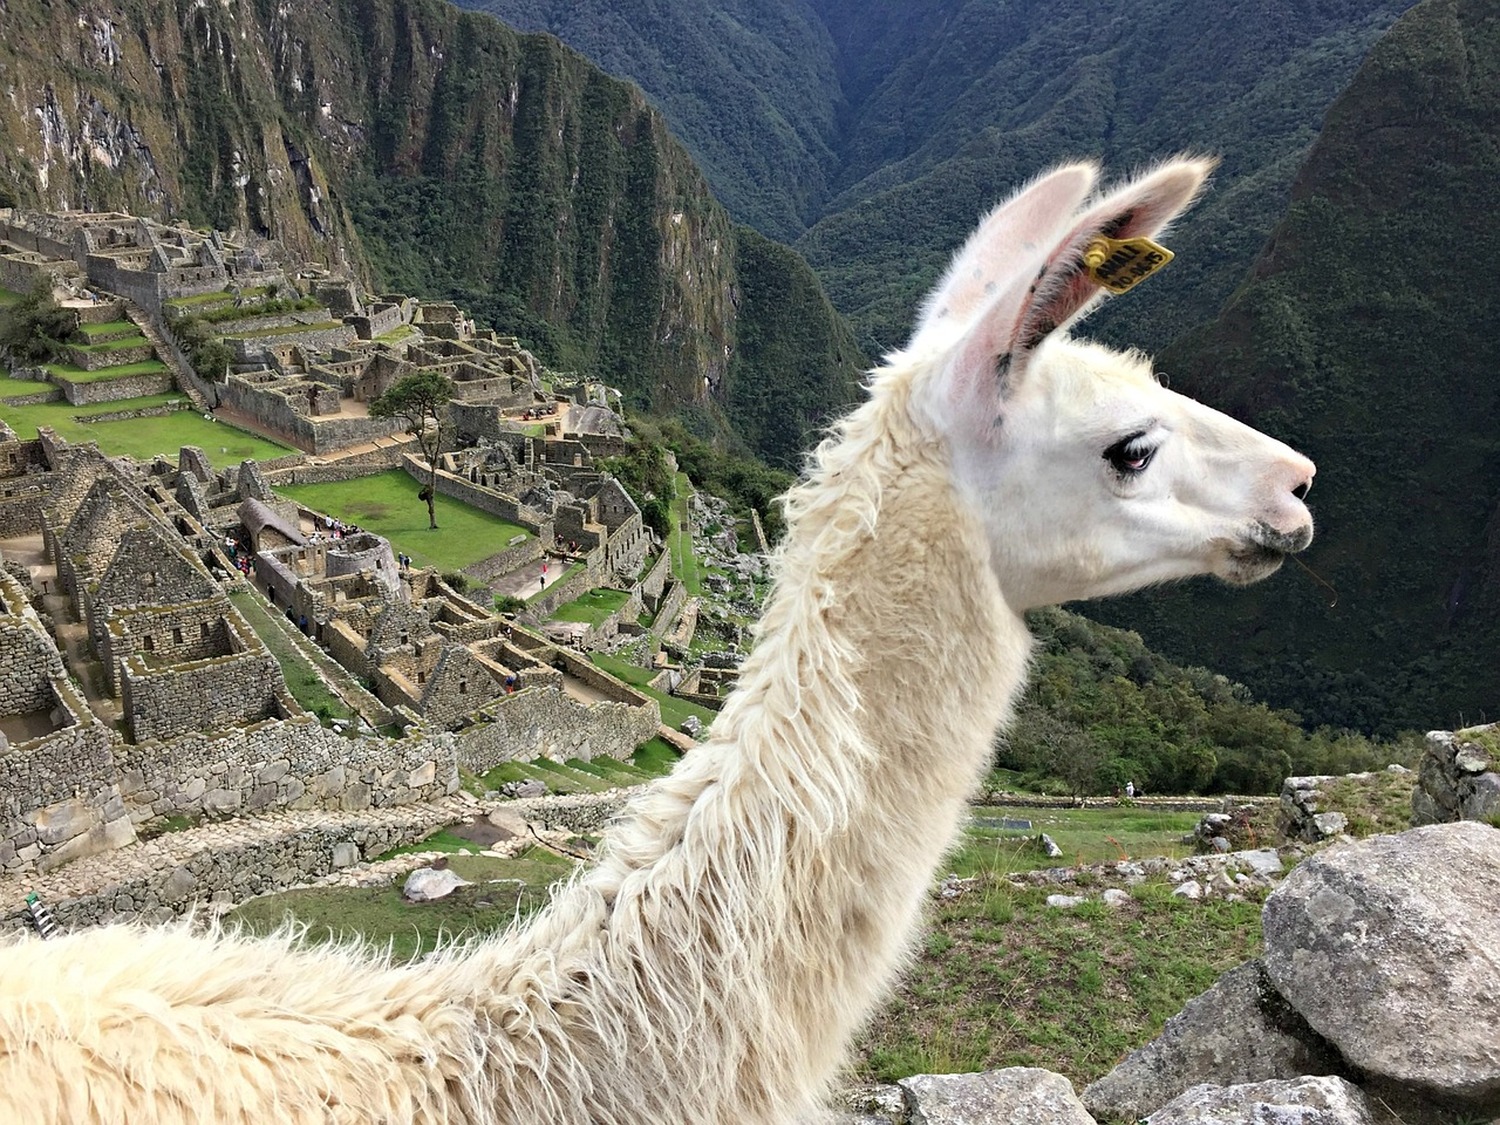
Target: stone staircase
{"points": [[187, 379]]}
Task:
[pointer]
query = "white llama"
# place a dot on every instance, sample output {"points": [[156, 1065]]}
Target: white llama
{"points": [[753, 906]]}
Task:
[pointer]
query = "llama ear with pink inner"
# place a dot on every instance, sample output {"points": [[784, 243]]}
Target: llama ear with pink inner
{"points": [[1022, 275]]}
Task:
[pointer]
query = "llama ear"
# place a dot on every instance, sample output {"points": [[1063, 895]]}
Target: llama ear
{"points": [[1064, 288], [1009, 244]]}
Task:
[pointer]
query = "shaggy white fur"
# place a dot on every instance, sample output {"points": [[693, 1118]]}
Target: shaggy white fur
{"points": [[751, 908]]}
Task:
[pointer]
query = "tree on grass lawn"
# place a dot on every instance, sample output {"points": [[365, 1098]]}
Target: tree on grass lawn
{"points": [[421, 399]]}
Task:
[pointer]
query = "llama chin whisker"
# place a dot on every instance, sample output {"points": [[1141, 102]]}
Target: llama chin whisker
{"points": [[1320, 580]]}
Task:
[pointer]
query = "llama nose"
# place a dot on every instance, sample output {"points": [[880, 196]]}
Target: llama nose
{"points": [[1298, 472]]}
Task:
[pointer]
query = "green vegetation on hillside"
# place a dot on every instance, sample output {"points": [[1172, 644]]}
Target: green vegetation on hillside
{"points": [[1366, 337], [1101, 710]]}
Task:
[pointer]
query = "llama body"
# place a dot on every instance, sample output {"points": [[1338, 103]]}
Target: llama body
{"points": [[751, 908]]}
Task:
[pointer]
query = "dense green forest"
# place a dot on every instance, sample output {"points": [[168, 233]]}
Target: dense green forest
{"points": [[1367, 337]]}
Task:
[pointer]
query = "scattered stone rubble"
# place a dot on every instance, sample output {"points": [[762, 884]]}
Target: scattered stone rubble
{"points": [[1375, 1003]]}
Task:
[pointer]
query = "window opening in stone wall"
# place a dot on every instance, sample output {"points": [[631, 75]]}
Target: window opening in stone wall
{"points": [[203, 629], [463, 687], [149, 643], [176, 636]]}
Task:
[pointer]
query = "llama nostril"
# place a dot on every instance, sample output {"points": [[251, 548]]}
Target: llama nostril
{"points": [[1301, 491]]}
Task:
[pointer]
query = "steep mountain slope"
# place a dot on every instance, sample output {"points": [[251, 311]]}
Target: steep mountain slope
{"points": [[888, 128], [497, 168], [749, 87], [1366, 335], [954, 103]]}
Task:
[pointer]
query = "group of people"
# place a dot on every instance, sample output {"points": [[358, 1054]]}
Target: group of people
{"points": [[238, 553], [333, 527]]}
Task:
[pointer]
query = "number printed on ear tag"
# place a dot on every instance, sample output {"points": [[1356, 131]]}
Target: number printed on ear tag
{"points": [[1119, 263]]}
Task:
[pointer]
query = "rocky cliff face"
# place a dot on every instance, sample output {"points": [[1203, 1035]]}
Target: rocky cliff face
{"points": [[439, 151]]}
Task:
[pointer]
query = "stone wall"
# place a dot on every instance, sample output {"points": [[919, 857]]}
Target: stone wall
{"points": [[145, 289], [1459, 777], [232, 873], [386, 454], [547, 723], [505, 561], [254, 348], [217, 693], [113, 390], [84, 356], [292, 763]]}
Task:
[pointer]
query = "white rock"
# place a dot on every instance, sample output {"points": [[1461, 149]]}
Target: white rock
{"points": [[428, 883], [1066, 902], [1192, 890]]}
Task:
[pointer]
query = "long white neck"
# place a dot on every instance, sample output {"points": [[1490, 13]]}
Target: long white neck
{"points": [[753, 906]]}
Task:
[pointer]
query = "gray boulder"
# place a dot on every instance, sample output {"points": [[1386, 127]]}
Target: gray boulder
{"points": [[428, 883], [1301, 1101], [1389, 948], [994, 1097], [1239, 1031]]}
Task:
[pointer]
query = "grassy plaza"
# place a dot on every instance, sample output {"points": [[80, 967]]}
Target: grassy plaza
{"points": [[387, 504]]}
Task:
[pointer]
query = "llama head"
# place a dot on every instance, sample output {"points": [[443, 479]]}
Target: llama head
{"points": [[1089, 476]]}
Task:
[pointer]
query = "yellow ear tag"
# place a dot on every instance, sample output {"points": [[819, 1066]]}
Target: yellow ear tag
{"points": [[1118, 263]]}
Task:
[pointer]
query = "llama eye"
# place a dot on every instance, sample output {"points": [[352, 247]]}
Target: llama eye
{"points": [[1130, 455]]}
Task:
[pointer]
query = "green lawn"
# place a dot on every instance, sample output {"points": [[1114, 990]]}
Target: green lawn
{"points": [[8, 298], [685, 564], [135, 341], [673, 710], [387, 504], [1084, 835], [110, 328], [302, 679], [104, 374], [503, 889], [142, 438], [10, 386], [593, 607]]}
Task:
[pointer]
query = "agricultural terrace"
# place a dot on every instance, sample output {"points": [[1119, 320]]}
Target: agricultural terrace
{"points": [[142, 438], [387, 504]]}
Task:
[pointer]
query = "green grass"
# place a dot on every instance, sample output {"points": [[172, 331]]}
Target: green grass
{"points": [[592, 607], [1084, 835], [673, 710], [1378, 803], [657, 756], [143, 438], [302, 679], [135, 341], [104, 374], [685, 565], [387, 504], [1004, 980], [378, 914], [12, 386], [396, 335], [110, 328], [8, 298]]}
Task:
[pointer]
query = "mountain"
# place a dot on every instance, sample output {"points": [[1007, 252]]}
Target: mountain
{"points": [[437, 151], [877, 133], [1367, 336], [749, 87]]}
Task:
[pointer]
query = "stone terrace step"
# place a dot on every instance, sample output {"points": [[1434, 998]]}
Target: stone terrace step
{"points": [[224, 861]]}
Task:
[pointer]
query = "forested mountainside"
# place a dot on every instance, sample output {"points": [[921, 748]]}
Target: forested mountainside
{"points": [[1368, 335], [750, 87], [886, 129], [442, 152]]}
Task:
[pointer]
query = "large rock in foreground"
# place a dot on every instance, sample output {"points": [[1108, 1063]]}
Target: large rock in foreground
{"points": [[1239, 1031], [995, 1097], [1303, 1101], [1390, 949]]}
